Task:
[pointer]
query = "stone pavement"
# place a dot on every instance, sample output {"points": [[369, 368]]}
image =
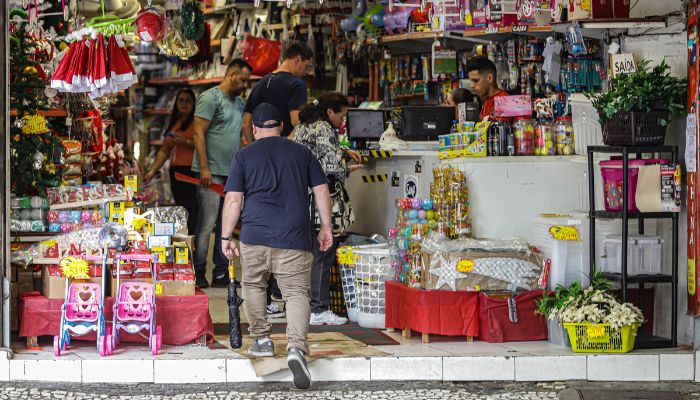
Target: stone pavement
{"points": [[334, 391], [277, 391]]}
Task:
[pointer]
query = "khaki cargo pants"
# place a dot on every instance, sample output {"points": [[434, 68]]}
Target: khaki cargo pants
{"points": [[292, 268]]}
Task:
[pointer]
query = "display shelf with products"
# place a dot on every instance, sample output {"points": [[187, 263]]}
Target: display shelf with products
{"points": [[625, 216]]}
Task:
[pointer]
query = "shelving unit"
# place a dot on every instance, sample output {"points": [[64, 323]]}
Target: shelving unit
{"points": [[184, 81], [625, 216], [54, 112]]}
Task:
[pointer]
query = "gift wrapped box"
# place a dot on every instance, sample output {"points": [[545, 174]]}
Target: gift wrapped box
{"points": [[480, 265]]}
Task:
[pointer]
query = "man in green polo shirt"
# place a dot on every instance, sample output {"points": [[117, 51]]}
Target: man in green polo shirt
{"points": [[217, 137]]}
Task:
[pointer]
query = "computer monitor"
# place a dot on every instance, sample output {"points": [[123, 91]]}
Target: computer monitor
{"points": [[365, 125], [425, 123]]}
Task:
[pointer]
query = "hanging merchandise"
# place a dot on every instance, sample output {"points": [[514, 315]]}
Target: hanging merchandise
{"points": [[262, 54], [84, 67], [150, 24], [175, 44], [192, 20]]}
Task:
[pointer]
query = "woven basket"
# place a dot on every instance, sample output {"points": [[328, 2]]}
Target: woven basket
{"points": [[633, 128]]}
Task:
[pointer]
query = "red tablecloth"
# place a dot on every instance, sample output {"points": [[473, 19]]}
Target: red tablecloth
{"points": [[495, 321], [184, 319], [439, 312]]}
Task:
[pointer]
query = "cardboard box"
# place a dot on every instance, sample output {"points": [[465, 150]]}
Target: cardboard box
{"points": [[14, 291], [25, 275], [24, 287], [14, 315], [54, 287], [187, 239], [599, 9], [176, 288]]}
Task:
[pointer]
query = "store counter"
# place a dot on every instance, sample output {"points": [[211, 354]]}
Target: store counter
{"points": [[505, 193]]}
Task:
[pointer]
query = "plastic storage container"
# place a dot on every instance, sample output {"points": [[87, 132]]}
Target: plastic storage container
{"points": [[524, 134], [585, 122], [544, 138], [613, 227], [569, 258], [611, 170], [643, 254], [601, 338], [564, 135]]}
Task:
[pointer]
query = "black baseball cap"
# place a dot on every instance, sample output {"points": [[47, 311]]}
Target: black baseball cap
{"points": [[266, 112]]}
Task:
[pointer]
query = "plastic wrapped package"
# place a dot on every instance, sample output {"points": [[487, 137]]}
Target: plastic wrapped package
{"points": [[480, 265], [89, 240], [176, 215]]}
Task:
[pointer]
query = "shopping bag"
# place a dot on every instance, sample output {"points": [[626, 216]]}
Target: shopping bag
{"points": [[262, 54]]}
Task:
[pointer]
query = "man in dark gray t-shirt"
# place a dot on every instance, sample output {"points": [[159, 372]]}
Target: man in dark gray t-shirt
{"points": [[273, 175]]}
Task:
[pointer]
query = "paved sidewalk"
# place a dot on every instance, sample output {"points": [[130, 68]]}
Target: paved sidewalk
{"points": [[338, 391], [348, 390]]}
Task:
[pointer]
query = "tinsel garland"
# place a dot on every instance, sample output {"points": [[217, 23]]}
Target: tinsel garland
{"points": [[192, 20]]}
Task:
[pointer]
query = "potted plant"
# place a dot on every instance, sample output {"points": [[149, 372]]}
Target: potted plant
{"points": [[634, 111], [552, 303], [597, 322]]}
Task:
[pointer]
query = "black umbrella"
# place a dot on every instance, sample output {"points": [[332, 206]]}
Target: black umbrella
{"points": [[234, 315]]}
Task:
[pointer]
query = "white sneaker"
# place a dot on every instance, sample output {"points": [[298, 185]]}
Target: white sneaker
{"points": [[273, 311], [327, 318]]}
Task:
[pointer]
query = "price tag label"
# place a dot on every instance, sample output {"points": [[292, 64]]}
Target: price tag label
{"points": [[565, 233], [596, 331], [465, 266]]}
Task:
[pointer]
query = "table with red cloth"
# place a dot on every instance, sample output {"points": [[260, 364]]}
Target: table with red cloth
{"points": [[461, 313], [184, 319], [439, 312]]}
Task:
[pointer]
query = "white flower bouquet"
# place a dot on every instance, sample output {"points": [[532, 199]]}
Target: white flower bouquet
{"points": [[597, 306]]}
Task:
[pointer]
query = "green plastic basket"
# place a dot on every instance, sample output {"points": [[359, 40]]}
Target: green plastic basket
{"points": [[601, 338]]}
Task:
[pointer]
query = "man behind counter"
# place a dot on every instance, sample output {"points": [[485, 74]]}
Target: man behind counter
{"points": [[482, 75]]}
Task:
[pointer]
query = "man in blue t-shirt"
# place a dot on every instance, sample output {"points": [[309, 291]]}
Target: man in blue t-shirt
{"points": [[282, 88], [274, 175]]}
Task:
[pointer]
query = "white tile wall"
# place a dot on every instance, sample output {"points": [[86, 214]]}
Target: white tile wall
{"points": [[189, 371], [341, 369], [478, 368], [623, 367], [4, 369], [240, 370], [550, 368], [117, 371], [46, 370], [676, 367], [406, 368]]}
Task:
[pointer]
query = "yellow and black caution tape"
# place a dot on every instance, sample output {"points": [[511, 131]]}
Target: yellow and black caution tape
{"points": [[374, 178], [372, 154]]}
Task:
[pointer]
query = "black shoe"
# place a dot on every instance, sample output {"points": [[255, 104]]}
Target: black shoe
{"points": [[220, 282], [201, 282], [297, 363]]}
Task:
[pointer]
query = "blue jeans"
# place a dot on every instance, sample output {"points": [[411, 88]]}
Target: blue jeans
{"points": [[210, 206]]}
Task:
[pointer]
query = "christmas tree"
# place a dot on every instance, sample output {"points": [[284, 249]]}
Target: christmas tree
{"points": [[33, 150]]}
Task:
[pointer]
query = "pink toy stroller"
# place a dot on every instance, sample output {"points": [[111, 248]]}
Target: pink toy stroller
{"points": [[135, 306], [83, 312]]}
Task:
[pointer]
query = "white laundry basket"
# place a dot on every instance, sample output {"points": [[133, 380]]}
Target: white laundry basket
{"points": [[373, 267], [347, 278]]}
